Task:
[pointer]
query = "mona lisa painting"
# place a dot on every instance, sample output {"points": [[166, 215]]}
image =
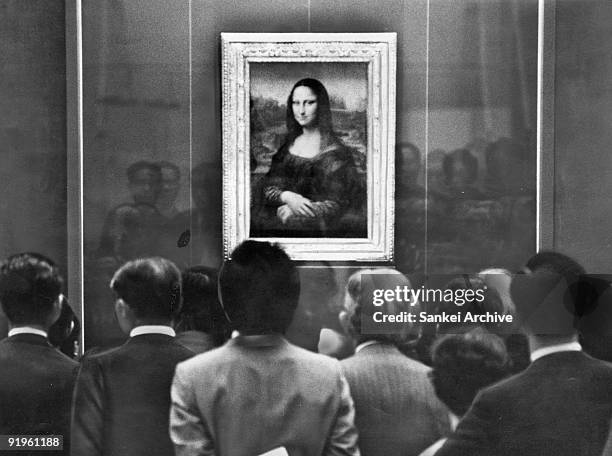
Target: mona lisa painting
{"points": [[308, 140]]}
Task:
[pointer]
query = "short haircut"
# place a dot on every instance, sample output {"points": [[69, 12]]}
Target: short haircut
{"points": [[29, 285], [465, 363], [151, 287], [143, 164], [552, 296], [201, 310], [259, 288], [555, 262]]}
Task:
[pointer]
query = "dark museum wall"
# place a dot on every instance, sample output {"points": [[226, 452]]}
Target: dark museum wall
{"points": [[583, 137], [33, 128], [146, 99]]}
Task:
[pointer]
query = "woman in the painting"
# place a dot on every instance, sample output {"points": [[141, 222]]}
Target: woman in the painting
{"points": [[313, 188]]}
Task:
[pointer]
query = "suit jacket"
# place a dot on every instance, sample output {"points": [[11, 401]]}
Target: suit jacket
{"points": [[196, 341], [396, 409], [560, 405], [36, 382], [122, 398], [257, 393]]}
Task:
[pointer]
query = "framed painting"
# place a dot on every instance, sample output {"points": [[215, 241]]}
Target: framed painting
{"points": [[308, 143]]}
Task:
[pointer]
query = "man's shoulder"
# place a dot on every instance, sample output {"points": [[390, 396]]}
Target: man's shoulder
{"points": [[308, 358], [382, 356], [44, 355], [159, 344]]}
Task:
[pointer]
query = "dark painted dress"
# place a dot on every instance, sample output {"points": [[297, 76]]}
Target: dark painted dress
{"points": [[331, 180]]}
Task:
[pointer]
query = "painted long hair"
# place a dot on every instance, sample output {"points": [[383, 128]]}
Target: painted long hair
{"points": [[323, 120]]}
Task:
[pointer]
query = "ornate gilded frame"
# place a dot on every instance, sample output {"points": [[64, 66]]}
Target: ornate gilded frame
{"points": [[378, 51]]}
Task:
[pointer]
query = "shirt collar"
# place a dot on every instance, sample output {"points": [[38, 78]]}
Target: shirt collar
{"points": [[363, 345], [152, 329], [27, 330], [544, 351], [453, 420]]}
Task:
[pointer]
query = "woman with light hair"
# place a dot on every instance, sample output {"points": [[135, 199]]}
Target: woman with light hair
{"points": [[396, 409]]}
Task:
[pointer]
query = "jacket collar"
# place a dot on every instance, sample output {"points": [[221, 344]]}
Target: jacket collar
{"points": [[29, 338], [260, 340]]}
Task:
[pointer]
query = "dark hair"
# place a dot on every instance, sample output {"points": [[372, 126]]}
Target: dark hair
{"points": [[143, 164], [466, 158], [555, 262], [553, 294], [168, 165], [549, 261], [64, 333], [259, 287], [151, 287], [465, 363], [29, 285], [509, 167], [324, 118], [201, 310]]}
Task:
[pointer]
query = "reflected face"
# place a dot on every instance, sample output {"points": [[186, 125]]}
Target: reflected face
{"points": [[170, 184], [305, 105], [145, 186]]}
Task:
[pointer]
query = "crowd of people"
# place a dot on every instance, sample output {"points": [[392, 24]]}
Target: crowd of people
{"points": [[474, 207], [207, 370]]}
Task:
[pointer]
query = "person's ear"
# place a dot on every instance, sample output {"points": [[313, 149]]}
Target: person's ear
{"points": [[125, 316], [56, 310], [220, 297], [344, 319]]}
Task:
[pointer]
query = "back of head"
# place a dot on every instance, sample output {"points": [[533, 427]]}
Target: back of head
{"points": [[555, 262], [547, 297], [30, 284], [465, 363], [151, 287], [259, 288], [201, 310]]}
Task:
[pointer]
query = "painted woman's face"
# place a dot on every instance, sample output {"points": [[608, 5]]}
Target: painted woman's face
{"points": [[304, 106]]}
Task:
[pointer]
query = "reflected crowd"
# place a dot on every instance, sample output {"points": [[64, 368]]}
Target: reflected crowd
{"points": [[467, 208]]}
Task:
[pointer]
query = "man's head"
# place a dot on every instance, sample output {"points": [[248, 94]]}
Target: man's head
{"points": [[148, 291], [259, 288], [30, 287], [547, 297], [464, 363], [144, 182]]}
